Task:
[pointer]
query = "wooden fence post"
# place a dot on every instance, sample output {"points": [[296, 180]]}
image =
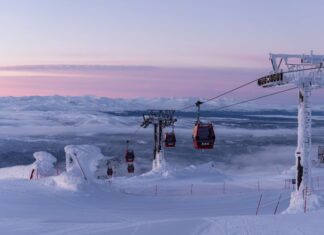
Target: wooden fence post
{"points": [[257, 211], [277, 204]]}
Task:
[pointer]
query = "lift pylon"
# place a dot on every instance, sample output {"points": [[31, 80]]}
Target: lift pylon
{"points": [[306, 73], [160, 119]]}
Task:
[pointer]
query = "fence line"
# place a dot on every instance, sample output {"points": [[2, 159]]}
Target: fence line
{"points": [[218, 188]]}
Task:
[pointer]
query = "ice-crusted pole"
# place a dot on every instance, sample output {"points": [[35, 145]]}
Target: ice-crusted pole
{"points": [[304, 139]]}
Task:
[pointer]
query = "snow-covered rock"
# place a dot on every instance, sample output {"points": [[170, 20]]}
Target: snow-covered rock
{"points": [[82, 160], [45, 163]]}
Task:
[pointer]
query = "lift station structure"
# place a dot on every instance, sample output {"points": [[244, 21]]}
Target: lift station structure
{"points": [[306, 73], [160, 119]]}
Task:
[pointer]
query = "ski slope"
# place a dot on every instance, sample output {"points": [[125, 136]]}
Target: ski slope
{"points": [[66, 204]]}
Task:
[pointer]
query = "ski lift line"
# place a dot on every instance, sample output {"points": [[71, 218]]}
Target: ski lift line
{"points": [[220, 95], [257, 98], [244, 85], [230, 91], [137, 129], [133, 133]]}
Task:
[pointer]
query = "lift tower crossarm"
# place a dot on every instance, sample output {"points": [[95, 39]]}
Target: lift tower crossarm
{"points": [[306, 73], [160, 119], [294, 69], [292, 61]]}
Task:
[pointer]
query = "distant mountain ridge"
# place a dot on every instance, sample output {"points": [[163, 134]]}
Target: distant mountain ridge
{"points": [[93, 103]]}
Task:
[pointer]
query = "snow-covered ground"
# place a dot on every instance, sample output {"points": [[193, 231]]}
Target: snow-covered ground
{"points": [[193, 200]]}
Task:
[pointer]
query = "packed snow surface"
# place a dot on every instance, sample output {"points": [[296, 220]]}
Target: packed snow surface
{"points": [[193, 200]]}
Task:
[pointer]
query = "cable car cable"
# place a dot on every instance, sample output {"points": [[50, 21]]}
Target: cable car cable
{"points": [[220, 95], [230, 91], [244, 85], [257, 98]]}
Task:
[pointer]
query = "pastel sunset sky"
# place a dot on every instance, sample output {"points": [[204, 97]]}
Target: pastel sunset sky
{"points": [[150, 48]]}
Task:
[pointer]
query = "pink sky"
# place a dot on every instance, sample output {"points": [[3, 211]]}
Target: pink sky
{"points": [[119, 81], [136, 81]]}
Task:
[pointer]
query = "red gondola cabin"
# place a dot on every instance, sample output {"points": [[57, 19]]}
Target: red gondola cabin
{"points": [[129, 156], [170, 140], [110, 172], [130, 168], [203, 136]]}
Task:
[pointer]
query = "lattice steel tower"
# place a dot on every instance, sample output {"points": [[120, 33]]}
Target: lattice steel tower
{"points": [[306, 73]]}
